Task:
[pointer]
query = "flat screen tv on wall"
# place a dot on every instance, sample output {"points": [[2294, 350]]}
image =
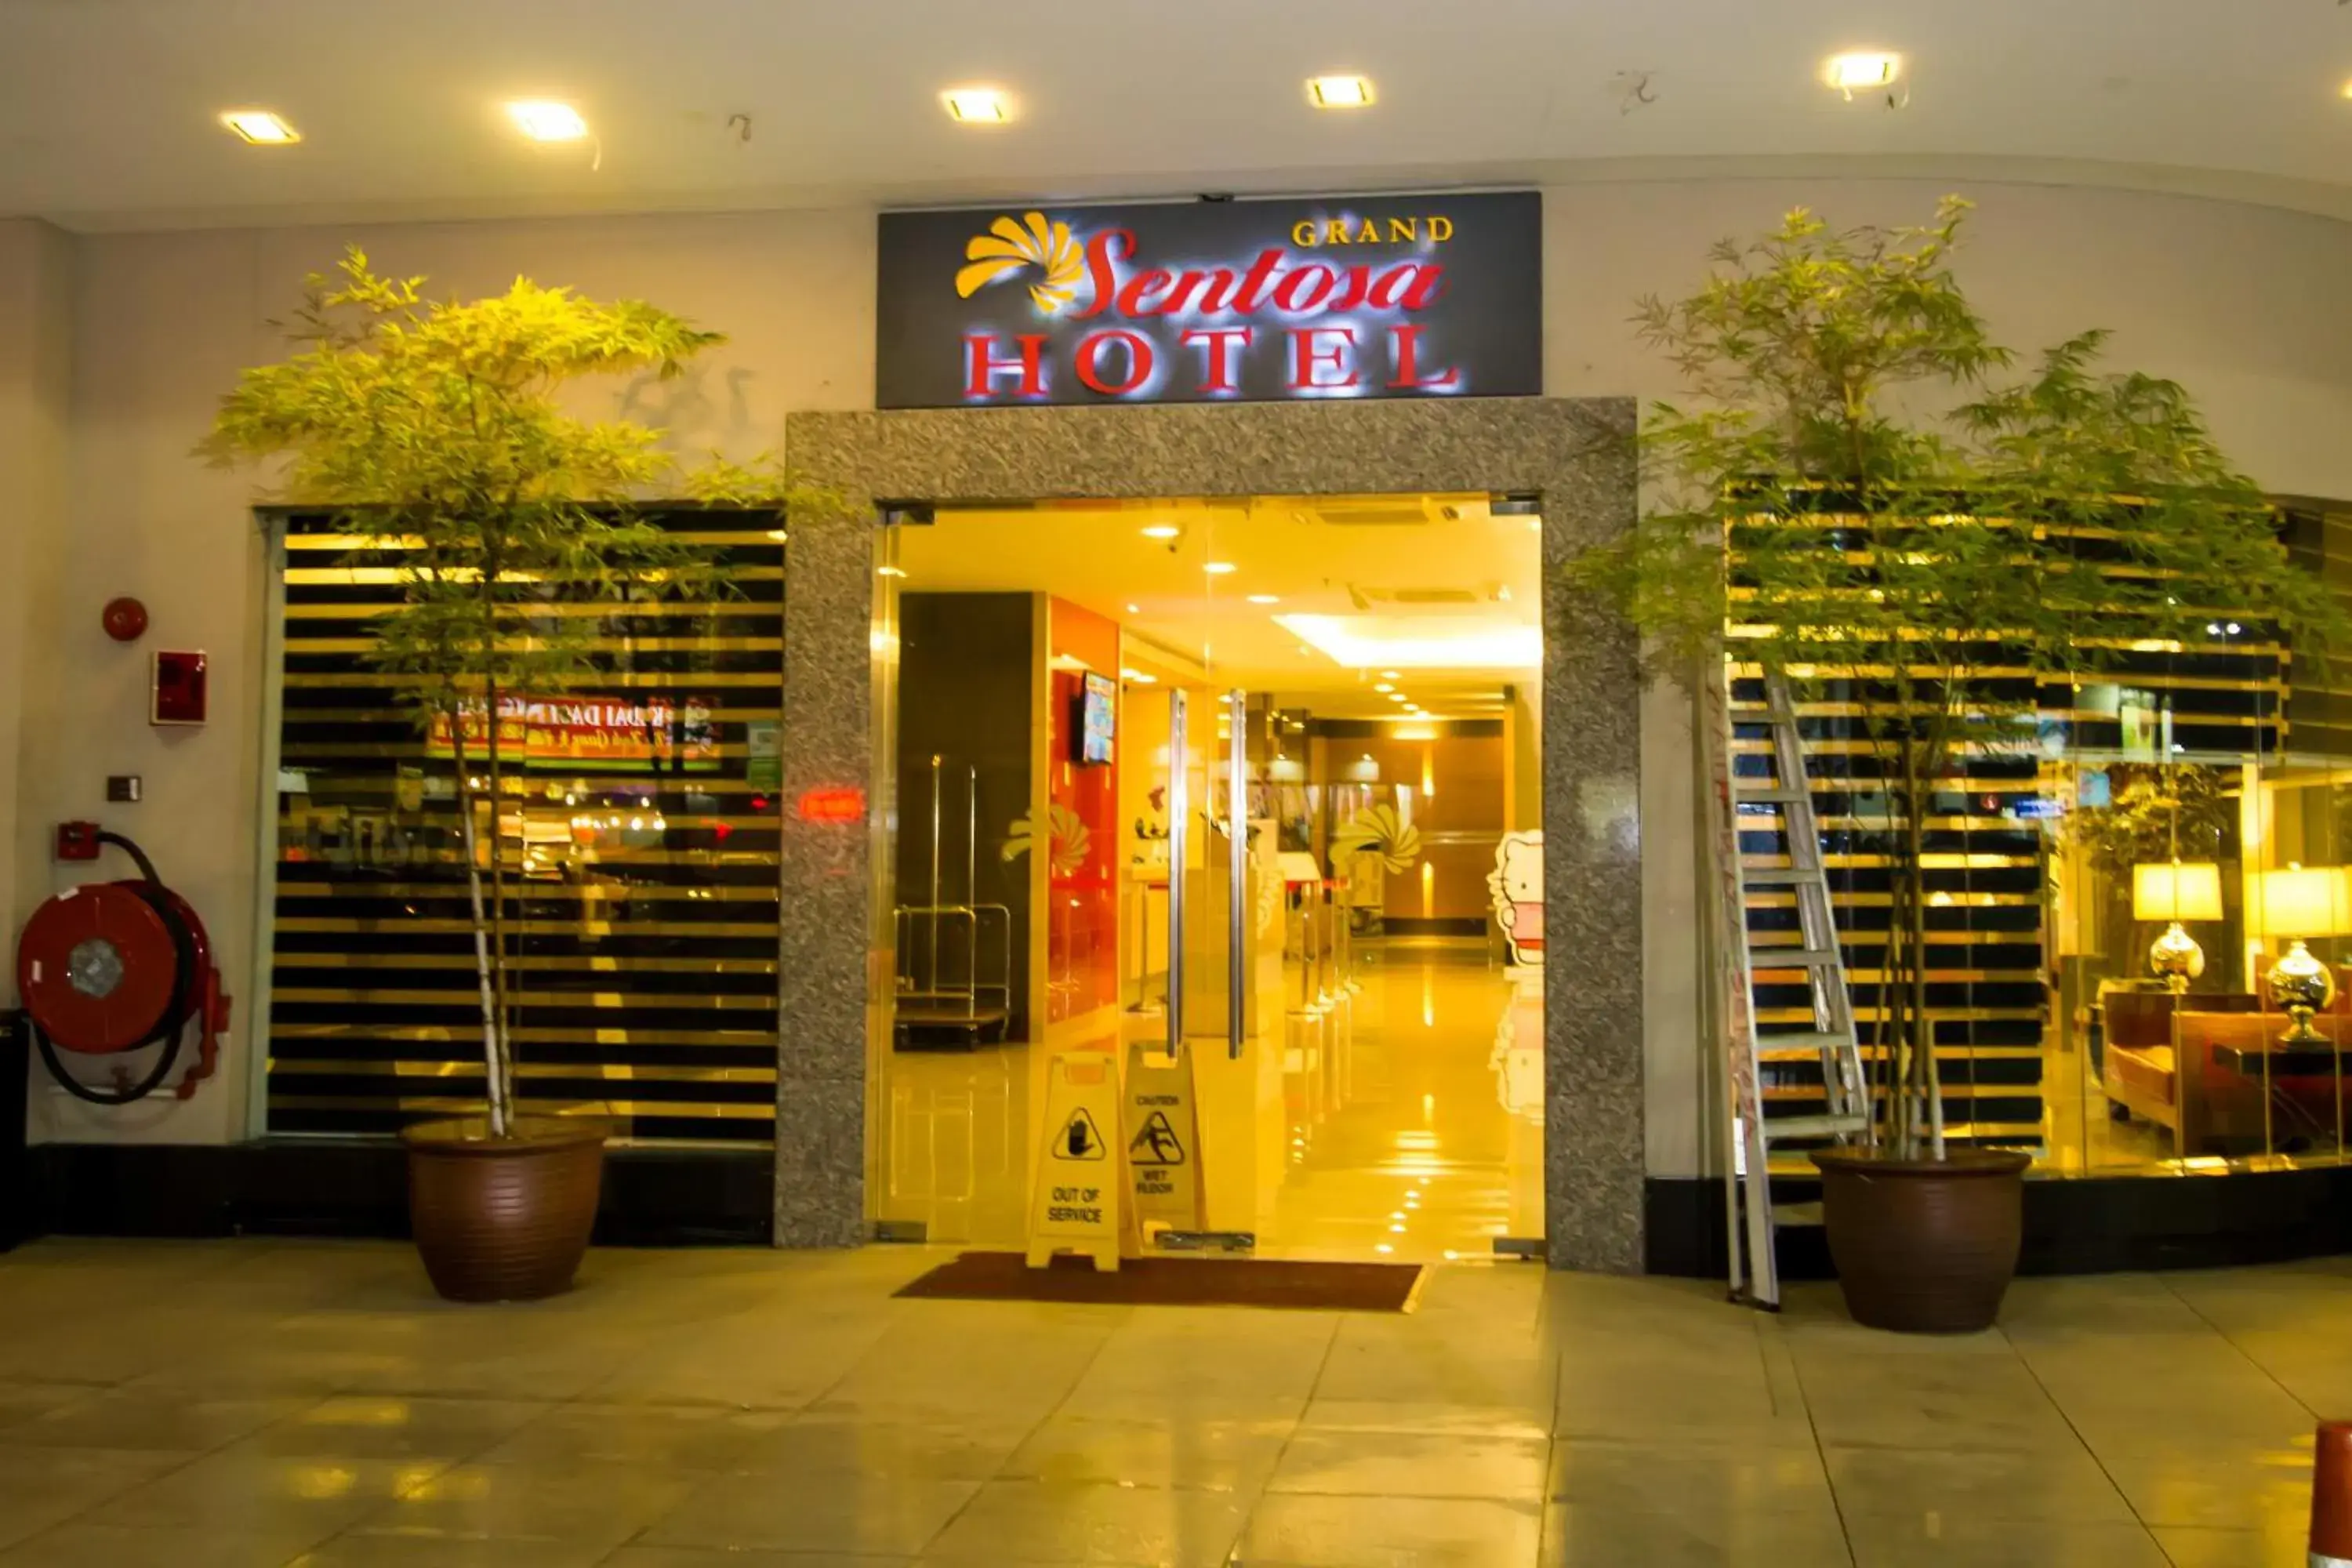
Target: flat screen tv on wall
{"points": [[1097, 718]]}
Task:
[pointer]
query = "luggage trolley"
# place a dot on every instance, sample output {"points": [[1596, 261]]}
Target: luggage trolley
{"points": [[959, 1007]]}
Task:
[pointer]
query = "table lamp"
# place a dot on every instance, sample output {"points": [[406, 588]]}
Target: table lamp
{"points": [[2174, 891], [2314, 903]]}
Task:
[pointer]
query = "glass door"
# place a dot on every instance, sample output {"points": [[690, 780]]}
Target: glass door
{"points": [[1241, 791], [1180, 848], [1232, 1039]]}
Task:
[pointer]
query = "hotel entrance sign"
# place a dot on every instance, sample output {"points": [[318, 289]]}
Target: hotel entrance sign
{"points": [[1212, 301]]}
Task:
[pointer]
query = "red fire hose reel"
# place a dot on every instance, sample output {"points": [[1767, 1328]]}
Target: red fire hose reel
{"points": [[114, 967]]}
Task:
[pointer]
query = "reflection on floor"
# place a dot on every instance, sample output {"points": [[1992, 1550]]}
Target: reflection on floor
{"points": [[1437, 1149], [254, 1405], [1413, 1113]]}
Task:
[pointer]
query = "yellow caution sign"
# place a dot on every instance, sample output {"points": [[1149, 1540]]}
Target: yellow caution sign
{"points": [[1163, 1143], [1077, 1207]]}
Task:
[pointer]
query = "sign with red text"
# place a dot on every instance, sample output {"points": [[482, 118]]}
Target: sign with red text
{"points": [[1436, 296], [627, 734]]}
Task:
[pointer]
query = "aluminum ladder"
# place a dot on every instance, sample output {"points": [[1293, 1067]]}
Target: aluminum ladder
{"points": [[1754, 1220]]}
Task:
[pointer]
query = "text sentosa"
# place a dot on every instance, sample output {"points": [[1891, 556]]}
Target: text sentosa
{"points": [[1341, 324]]}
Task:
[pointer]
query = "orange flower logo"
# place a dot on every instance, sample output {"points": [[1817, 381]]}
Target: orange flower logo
{"points": [[1011, 246]]}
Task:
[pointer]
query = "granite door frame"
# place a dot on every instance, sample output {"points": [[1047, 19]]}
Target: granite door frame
{"points": [[1576, 454]]}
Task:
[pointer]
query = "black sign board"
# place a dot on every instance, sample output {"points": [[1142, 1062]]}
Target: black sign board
{"points": [[1433, 296]]}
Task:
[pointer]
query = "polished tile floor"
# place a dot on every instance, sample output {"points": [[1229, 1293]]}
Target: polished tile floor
{"points": [[1407, 1121], [252, 1405]]}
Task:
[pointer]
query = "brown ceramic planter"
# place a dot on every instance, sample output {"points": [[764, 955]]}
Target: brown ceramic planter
{"points": [[503, 1219], [1924, 1246]]}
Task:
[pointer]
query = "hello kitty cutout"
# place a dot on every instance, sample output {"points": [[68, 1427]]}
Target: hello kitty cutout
{"points": [[1516, 883]]}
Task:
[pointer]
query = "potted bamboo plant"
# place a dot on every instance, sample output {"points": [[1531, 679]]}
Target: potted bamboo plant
{"points": [[1865, 495], [434, 431]]}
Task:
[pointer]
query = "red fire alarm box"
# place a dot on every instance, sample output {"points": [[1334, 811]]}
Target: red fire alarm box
{"points": [[179, 694]]}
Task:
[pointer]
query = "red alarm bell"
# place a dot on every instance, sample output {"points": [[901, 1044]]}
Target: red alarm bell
{"points": [[124, 619]]}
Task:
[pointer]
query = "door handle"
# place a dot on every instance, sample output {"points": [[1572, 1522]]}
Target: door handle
{"points": [[1179, 825], [1237, 820]]}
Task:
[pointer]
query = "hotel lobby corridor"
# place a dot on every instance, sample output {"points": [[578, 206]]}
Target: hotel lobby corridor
{"points": [[1409, 1118], [254, 1403], [1436, 1151]]}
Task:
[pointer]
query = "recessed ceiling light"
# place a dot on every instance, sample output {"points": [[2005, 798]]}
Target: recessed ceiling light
{"points": [[1384, 687], [1427, 643], [1220, 568], [1138, 678], [1135, 609], [1391, 675], [1340, 91], [977, 105], [260, 127], [1162, 530], [1861, 71], [545, 119], [1263, 599]]}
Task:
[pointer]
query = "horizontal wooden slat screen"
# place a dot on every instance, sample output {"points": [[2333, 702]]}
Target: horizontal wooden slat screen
{"points": [[1985, 867], [642, 893]]}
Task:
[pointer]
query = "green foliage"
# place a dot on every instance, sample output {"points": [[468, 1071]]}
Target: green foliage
{"points": [[437, 425], [1888, 508], [1864, 492], [2157, 813], [435, 430], [764, 484]]}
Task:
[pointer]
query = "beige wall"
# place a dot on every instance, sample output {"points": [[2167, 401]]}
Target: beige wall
{"points": [[161, 324], [36, 371], [2244, 305], [2241, 302]]}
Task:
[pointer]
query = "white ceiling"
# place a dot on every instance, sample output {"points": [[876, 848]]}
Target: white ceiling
{"points": [[1471, 581], [107, 106]]}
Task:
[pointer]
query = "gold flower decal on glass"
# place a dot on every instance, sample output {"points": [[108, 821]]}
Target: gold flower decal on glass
{"points": [[1379, 831], [1009, 246], [1069, 839]]}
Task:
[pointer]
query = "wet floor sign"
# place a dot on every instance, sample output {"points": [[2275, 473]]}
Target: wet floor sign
{"points": [[1076, 1206], [1163, 1143]]}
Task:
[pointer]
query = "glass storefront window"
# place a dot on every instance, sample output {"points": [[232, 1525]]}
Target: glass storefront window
{"points": [[2197, 828], [2138, 904], [637, 826], [2186, 1054]]}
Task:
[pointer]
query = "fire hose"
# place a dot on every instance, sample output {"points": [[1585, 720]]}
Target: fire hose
{"points": [[109, 968]]}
